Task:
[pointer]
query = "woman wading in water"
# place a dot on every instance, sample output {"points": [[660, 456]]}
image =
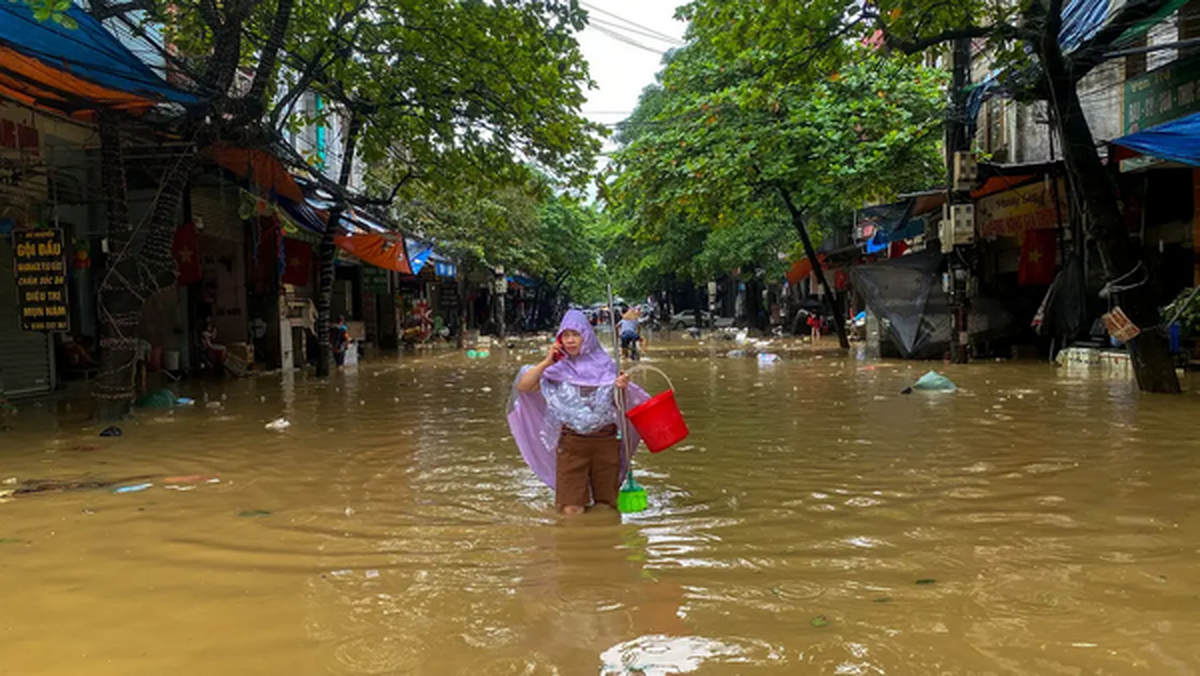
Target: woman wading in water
{"points": [[563, 415]]}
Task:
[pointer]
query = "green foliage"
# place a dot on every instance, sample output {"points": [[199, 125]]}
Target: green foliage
{"points": [[1187, 307], [705, 158]]}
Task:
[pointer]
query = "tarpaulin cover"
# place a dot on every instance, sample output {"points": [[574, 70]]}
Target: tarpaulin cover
{"points": [[381, 251], [802, 268], [907, 292], [1177, 140], [74, 69], [257, 166]]}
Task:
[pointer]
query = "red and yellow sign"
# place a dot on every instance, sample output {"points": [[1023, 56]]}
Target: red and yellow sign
{"points": [[1015, 211]]}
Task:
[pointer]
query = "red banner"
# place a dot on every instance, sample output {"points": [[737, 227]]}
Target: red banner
{"points": [[1039, 251], [186, 251], [297, 258]]}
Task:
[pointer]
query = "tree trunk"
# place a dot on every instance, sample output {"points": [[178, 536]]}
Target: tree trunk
{"points": [[831, 300], [1122, 262], [460, 341], [120, 310], [328, 252]]}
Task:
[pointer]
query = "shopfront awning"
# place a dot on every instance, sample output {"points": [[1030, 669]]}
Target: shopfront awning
{"points": [[74, 70], [1177, 141], [382, 251]]}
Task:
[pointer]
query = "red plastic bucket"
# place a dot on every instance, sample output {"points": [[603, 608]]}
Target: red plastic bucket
{"points": [[659, 421]]}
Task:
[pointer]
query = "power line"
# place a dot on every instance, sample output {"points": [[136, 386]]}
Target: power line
{"points": [[633, 31], [628, 40], [660, 35]]}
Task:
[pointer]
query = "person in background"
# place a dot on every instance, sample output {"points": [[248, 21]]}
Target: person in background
{"points": [[339, 336], [142, 362], [211, 351], [630, 331]]}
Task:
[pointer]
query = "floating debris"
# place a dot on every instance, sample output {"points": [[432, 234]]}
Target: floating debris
{"points": [[926, 581], [279, 424], [136, 488], [112, 431], [253, 513], [820, 621]]}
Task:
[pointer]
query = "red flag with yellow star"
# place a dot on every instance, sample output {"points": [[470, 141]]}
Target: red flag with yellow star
{"points": [[185, 248], [297, 257], [1039, 251]]}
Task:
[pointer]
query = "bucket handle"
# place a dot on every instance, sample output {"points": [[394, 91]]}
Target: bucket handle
{"points": [[647, 367]]}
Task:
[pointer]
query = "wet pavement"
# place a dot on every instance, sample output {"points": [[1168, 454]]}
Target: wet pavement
{"points": [[1038, 521]]}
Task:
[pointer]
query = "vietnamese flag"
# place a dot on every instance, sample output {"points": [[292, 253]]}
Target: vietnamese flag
{"points": [[1039, 252], [297, 257], [186, 251]]}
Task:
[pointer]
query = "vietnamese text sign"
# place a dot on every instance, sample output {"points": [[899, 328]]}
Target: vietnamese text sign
{"points": [[1162, 95], [374, 280], [1012, 212], [41, 270]]}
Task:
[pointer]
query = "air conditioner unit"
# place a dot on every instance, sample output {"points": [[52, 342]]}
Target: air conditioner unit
{"points": [[957, 226], [966, 170]]}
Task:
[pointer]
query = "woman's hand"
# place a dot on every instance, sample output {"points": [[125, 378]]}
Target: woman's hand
{"points": [[555, 353], [622, 380]]}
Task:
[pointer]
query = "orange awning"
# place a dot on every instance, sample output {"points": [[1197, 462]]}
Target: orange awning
{"points": [[33, 83], [259, 167], [382, 251], [803, 268]]}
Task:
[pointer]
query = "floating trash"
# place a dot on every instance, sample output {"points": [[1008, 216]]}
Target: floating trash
{"points": [[112, 431], [278, 424], [820, 621], [932, 382], [137, 488], [253, 513]]}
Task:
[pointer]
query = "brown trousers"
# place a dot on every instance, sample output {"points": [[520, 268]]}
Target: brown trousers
{"points": [[589, 468]]}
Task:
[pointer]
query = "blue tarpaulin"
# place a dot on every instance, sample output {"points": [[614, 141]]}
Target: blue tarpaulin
{"points": [[418, 261], [1178, 140], [88, 52]]}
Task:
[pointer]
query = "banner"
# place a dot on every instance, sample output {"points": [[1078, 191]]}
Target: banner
{"points": [[1012, 212], [186, 250], [41, 268], [1039, 253], [297, 257]]}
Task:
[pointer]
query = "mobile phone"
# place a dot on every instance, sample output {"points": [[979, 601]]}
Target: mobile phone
{"points": [[561, 351]]}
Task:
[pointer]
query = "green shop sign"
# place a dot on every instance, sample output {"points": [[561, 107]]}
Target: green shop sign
{"points": [[1162, 95], [374, 280]]}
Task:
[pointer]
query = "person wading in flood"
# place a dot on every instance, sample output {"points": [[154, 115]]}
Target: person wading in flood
{"points": [[563, 415]]}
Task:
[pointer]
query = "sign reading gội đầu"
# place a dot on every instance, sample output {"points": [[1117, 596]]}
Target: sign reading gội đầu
{"points": [[41, 268]]}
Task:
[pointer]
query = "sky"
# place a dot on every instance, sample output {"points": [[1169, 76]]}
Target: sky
{"points": [[621, 70]]}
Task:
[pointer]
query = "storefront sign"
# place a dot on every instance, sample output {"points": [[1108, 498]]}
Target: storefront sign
{"points": [[41, 267], [1162, 95], [444, 269], [1012, 212], [374, 280]]}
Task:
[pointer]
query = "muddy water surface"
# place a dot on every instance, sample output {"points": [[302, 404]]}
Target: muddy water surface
{"points": [[816, 522]]}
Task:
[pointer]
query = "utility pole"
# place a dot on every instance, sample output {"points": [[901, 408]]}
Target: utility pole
{"points": [[958, 201]]}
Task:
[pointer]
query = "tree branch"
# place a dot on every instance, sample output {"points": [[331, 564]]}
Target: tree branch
{"points": [[1001, 31], [102, 10], [269, 55]]}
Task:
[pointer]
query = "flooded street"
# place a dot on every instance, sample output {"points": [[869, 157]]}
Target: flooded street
{"points": [[1038, 521]]}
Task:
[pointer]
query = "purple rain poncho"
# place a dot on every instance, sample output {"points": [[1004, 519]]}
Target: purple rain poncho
{"points": [[536, 430]]}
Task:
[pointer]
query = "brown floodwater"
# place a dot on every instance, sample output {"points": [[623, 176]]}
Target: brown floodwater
{"points": [[1038, 521]]}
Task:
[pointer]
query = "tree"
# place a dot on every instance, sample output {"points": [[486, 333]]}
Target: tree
{"points": [[716, 146], [1040, 61], [444, 92]]}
